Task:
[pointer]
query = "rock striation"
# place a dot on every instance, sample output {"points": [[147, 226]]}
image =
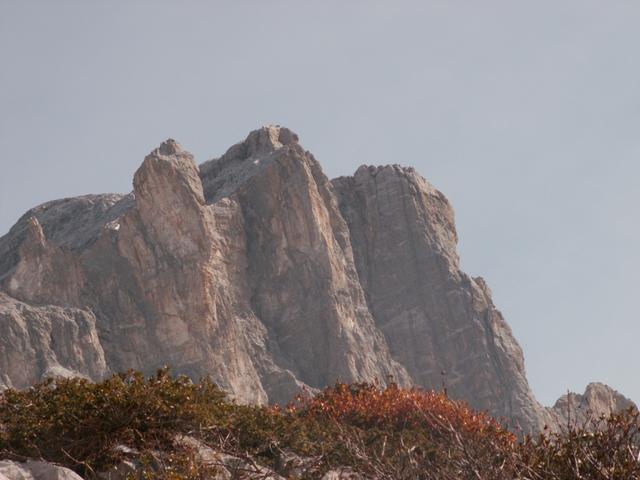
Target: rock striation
{"points": [[439, 323], [37, 342], [257, 270]]}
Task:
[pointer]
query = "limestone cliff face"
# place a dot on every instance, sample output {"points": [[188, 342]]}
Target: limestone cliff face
{"points": [[242, 271], [581, 409], [257, 270], [47, 341], [439, 323]]}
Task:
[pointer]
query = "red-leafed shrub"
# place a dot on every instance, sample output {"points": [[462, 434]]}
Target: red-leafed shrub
{"points": [[370, 406], [390, 432]]}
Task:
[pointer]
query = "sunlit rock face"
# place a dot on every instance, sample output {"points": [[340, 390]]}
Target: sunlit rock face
{"points": [[574, 409], [256, 270], [37, 342], [439, 322]]}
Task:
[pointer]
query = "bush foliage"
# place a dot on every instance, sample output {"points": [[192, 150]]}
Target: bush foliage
{"points": [[381, 432]]}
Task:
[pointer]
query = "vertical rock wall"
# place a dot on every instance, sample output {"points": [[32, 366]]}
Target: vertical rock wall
{"points": [[258, 271]]}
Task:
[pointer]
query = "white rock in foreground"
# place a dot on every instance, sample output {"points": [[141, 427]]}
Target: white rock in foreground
{"points": [[35, 470]]}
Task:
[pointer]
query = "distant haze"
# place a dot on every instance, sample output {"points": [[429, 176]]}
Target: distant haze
{"points": [[525, 114]]}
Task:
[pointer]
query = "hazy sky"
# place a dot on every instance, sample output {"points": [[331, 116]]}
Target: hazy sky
{"points": [[526, 114]]}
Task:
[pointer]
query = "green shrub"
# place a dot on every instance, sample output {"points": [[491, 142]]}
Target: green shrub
{"points": [[78, 423]]}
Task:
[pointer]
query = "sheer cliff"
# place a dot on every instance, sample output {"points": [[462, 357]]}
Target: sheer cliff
{"points": [[257, 270]]}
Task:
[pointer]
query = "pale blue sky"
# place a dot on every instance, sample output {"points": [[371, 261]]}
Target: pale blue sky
{"points": [[526, 114]]}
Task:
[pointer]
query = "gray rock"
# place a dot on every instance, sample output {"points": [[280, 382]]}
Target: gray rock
{"points": [[35, 470], [47, 341], [227, 466], [257, 270], [439, 323], [342, 474], [598, 400]]}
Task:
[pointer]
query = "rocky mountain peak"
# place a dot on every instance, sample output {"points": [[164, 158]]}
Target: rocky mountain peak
{"points": [[598, 399], [223, 176], [167, 167], [168, 148], [374, 170], [258, 145], [269, 138], [255, 269]]}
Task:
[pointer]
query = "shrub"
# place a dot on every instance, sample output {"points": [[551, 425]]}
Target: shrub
{"points": [[407, 433], [77, 423], [604, 448], [383, 432]]}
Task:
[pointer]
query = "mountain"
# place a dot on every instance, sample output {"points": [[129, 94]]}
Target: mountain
{"points": [[581, 409], [256, 269]]}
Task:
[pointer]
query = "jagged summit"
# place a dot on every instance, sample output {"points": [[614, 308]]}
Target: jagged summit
{"points": [[257, 270], [269, 138], [259, 143], [374, 170], [167, 148], [223, 176], [597, 399]]}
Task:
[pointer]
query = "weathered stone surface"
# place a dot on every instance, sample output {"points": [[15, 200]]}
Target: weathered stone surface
{"points": [[242, 271], [47, 341], [440, 323], [226, 466], [128, 465], [300, 273], [34, 470], [257, 270], [342, 474], [596, 401]]}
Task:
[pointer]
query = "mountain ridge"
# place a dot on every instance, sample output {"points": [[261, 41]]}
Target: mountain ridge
{"points": [[257, 269]]}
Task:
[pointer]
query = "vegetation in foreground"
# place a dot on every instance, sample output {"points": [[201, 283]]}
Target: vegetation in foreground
{"points": [[382, 433]]}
